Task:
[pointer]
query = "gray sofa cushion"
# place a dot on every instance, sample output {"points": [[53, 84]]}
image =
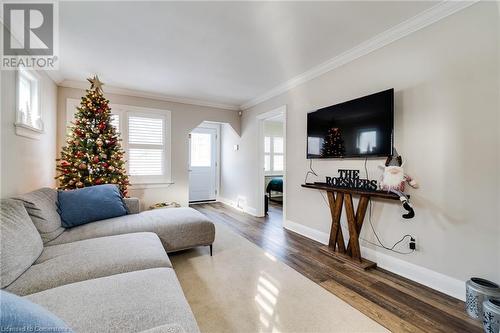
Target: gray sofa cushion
{"points": [[89, 259], [20, 242], [178, 228], [133, 205], [129, 302], [42, 208]]}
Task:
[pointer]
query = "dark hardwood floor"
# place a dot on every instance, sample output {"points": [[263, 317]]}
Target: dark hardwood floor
{"points": [[399, 304]]}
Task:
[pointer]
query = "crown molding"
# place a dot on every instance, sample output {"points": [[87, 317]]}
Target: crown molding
{"points": [[54, 76], [420, 21], [143, 94]]}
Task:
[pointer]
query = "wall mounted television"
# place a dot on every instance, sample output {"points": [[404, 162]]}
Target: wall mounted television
{"points": [[362, 127]]}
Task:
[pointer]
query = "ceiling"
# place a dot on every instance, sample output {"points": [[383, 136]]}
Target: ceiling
{"points": [[218, 52]]}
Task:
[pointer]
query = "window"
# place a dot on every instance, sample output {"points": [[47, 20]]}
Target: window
{"points": [[28, 114], [201, 149], [146, 146], [273, 155], [267, 153], [145, 135], [115, 122]]}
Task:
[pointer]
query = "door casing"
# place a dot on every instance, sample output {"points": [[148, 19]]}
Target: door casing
{"points": [[260, 158]]}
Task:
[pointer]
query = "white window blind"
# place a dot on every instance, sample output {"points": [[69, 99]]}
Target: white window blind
{"points": [[145, 162], [146, 145], [145, 130], [267, 163], [273, 155], [278, 145]]}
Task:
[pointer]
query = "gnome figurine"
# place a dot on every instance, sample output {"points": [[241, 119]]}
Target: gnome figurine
{"points": [[394, 179]]}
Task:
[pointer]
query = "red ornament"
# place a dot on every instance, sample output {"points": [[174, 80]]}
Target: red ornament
{"points": [[98, 181], [96, 159], [102, 126], [104, 164], [65, 163]]}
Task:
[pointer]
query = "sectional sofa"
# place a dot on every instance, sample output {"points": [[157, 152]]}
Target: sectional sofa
{"points": [[112, 275]]}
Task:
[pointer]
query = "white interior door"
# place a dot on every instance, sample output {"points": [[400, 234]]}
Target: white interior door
{"points": [[202, 164]]}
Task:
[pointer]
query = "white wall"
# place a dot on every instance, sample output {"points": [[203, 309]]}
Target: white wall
{"points": [[231, 165], [446, 81], [185, 117], [27, 164]]}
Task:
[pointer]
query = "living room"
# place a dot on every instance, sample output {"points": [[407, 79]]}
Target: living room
{"points": [[233, 166]]}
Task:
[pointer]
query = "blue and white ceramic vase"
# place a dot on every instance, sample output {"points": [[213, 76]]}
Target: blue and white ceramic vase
{"points": [[491, 315], [477, 290]]}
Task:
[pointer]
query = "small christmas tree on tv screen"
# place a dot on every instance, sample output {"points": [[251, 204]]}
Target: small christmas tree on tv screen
{"points": [[333, 146], [93, 153]]}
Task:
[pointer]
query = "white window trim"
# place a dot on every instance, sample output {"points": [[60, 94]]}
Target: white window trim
{"points": [[271, 171], [123, 111], [23, 129]]}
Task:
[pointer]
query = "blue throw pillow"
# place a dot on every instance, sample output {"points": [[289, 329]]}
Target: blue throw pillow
{"points": [[90, 204], [21, 315]]}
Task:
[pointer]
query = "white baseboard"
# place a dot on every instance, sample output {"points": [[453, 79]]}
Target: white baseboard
{"points": [[247, 209], [311, 233], [432, 279]]}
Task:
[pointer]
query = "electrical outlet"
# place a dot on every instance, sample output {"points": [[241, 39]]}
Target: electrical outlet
{"points": [[412, 244]]}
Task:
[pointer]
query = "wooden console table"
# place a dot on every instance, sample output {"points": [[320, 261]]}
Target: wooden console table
{"points": [[338, 197]]}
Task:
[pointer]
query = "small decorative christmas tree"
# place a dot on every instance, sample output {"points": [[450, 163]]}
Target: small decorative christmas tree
{"points": [[93, 154], [334, 144]]}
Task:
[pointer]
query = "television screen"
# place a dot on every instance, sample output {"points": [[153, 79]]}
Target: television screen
{"points": [[357, 128]]}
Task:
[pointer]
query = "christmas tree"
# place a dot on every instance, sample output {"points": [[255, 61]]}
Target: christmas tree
{"points": [[93, 154], [334, 144]]}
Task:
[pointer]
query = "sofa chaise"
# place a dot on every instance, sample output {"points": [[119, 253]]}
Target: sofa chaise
{"points": [[112, 275]]}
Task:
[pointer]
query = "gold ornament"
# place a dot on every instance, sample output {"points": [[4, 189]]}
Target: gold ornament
{"points": [[95, 83]]}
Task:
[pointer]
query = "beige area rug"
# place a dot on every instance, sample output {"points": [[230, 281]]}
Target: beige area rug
{"points": [[244, 289]]}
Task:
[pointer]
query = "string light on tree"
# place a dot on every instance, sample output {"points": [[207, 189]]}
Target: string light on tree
{"points": [[93, 153], [334, 144]]}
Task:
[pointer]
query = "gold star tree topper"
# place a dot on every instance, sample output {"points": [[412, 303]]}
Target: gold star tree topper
{"points": [[95, 83]]}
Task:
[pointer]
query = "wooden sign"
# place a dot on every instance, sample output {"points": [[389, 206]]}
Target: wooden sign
{"points": [[350, 179]]}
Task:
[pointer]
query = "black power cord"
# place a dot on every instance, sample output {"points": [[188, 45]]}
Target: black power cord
{"points": [[380, 244], [311, 171]]}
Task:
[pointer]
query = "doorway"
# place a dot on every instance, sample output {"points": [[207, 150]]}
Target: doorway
{"points": [[272, 165], [204, 163]]}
